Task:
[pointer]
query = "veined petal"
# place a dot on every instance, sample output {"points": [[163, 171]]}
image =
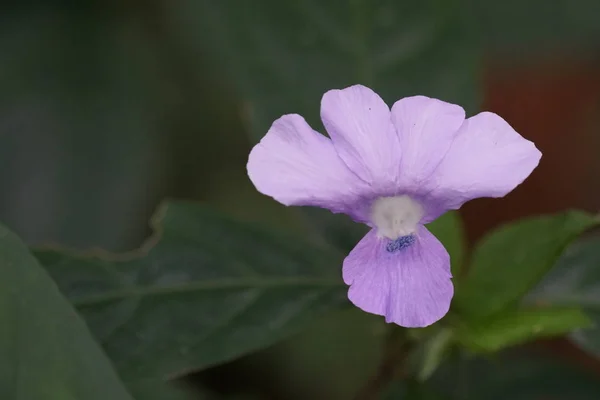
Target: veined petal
{"points": [[412, 287], [488, 158], [426, 128], [298, 166], [360, 126]]}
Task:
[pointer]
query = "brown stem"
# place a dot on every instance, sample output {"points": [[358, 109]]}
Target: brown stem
{"points": [[393, 365]]}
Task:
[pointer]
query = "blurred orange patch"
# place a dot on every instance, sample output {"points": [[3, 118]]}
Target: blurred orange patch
{"points": [[557, 107]]}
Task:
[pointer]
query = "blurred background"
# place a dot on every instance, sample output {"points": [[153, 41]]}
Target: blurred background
{"points": [[108, 107]]}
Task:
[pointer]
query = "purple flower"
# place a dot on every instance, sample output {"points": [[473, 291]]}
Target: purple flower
{"points": [[394, 171]]}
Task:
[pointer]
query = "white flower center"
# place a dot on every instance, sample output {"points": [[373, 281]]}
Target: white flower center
{"points": [[396, 216]]}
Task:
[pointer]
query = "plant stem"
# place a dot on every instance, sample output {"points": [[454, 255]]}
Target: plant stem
{"points": [[396, 350]]}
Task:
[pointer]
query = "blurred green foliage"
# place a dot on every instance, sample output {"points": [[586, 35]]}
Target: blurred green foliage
{"points": [[282, 56]]}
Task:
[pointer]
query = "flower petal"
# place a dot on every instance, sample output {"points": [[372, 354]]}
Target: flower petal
{"points": [[411, 287], [360, 126], [298, 166], [488, 158], [426, 128]]}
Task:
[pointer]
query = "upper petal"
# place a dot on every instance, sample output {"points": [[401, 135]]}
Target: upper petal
{"points": [[488, 158], [411, 287], [426, 127], [298, 166], [360, 126]]}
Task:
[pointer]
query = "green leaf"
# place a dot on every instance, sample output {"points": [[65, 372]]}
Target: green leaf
{"points": [[508, 262], [282, 56], [574, 282], [47, 351], [518, 326], [205, 290], [449, 229]]}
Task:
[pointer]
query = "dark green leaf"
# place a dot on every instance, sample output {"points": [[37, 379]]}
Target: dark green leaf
{"points": [[161, 390], [411, 391], [518, 326], [47, 352], [508, 262], [574, 282], [204, 291], [282, 56]]}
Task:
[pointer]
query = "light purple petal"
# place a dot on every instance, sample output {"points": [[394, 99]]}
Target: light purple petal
{"points": [[488, 158], [360, 126], [298, 166], [411, 287], [426, 128]]}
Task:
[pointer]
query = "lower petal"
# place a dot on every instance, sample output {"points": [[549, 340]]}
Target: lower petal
{"points": [[411, 287]]}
